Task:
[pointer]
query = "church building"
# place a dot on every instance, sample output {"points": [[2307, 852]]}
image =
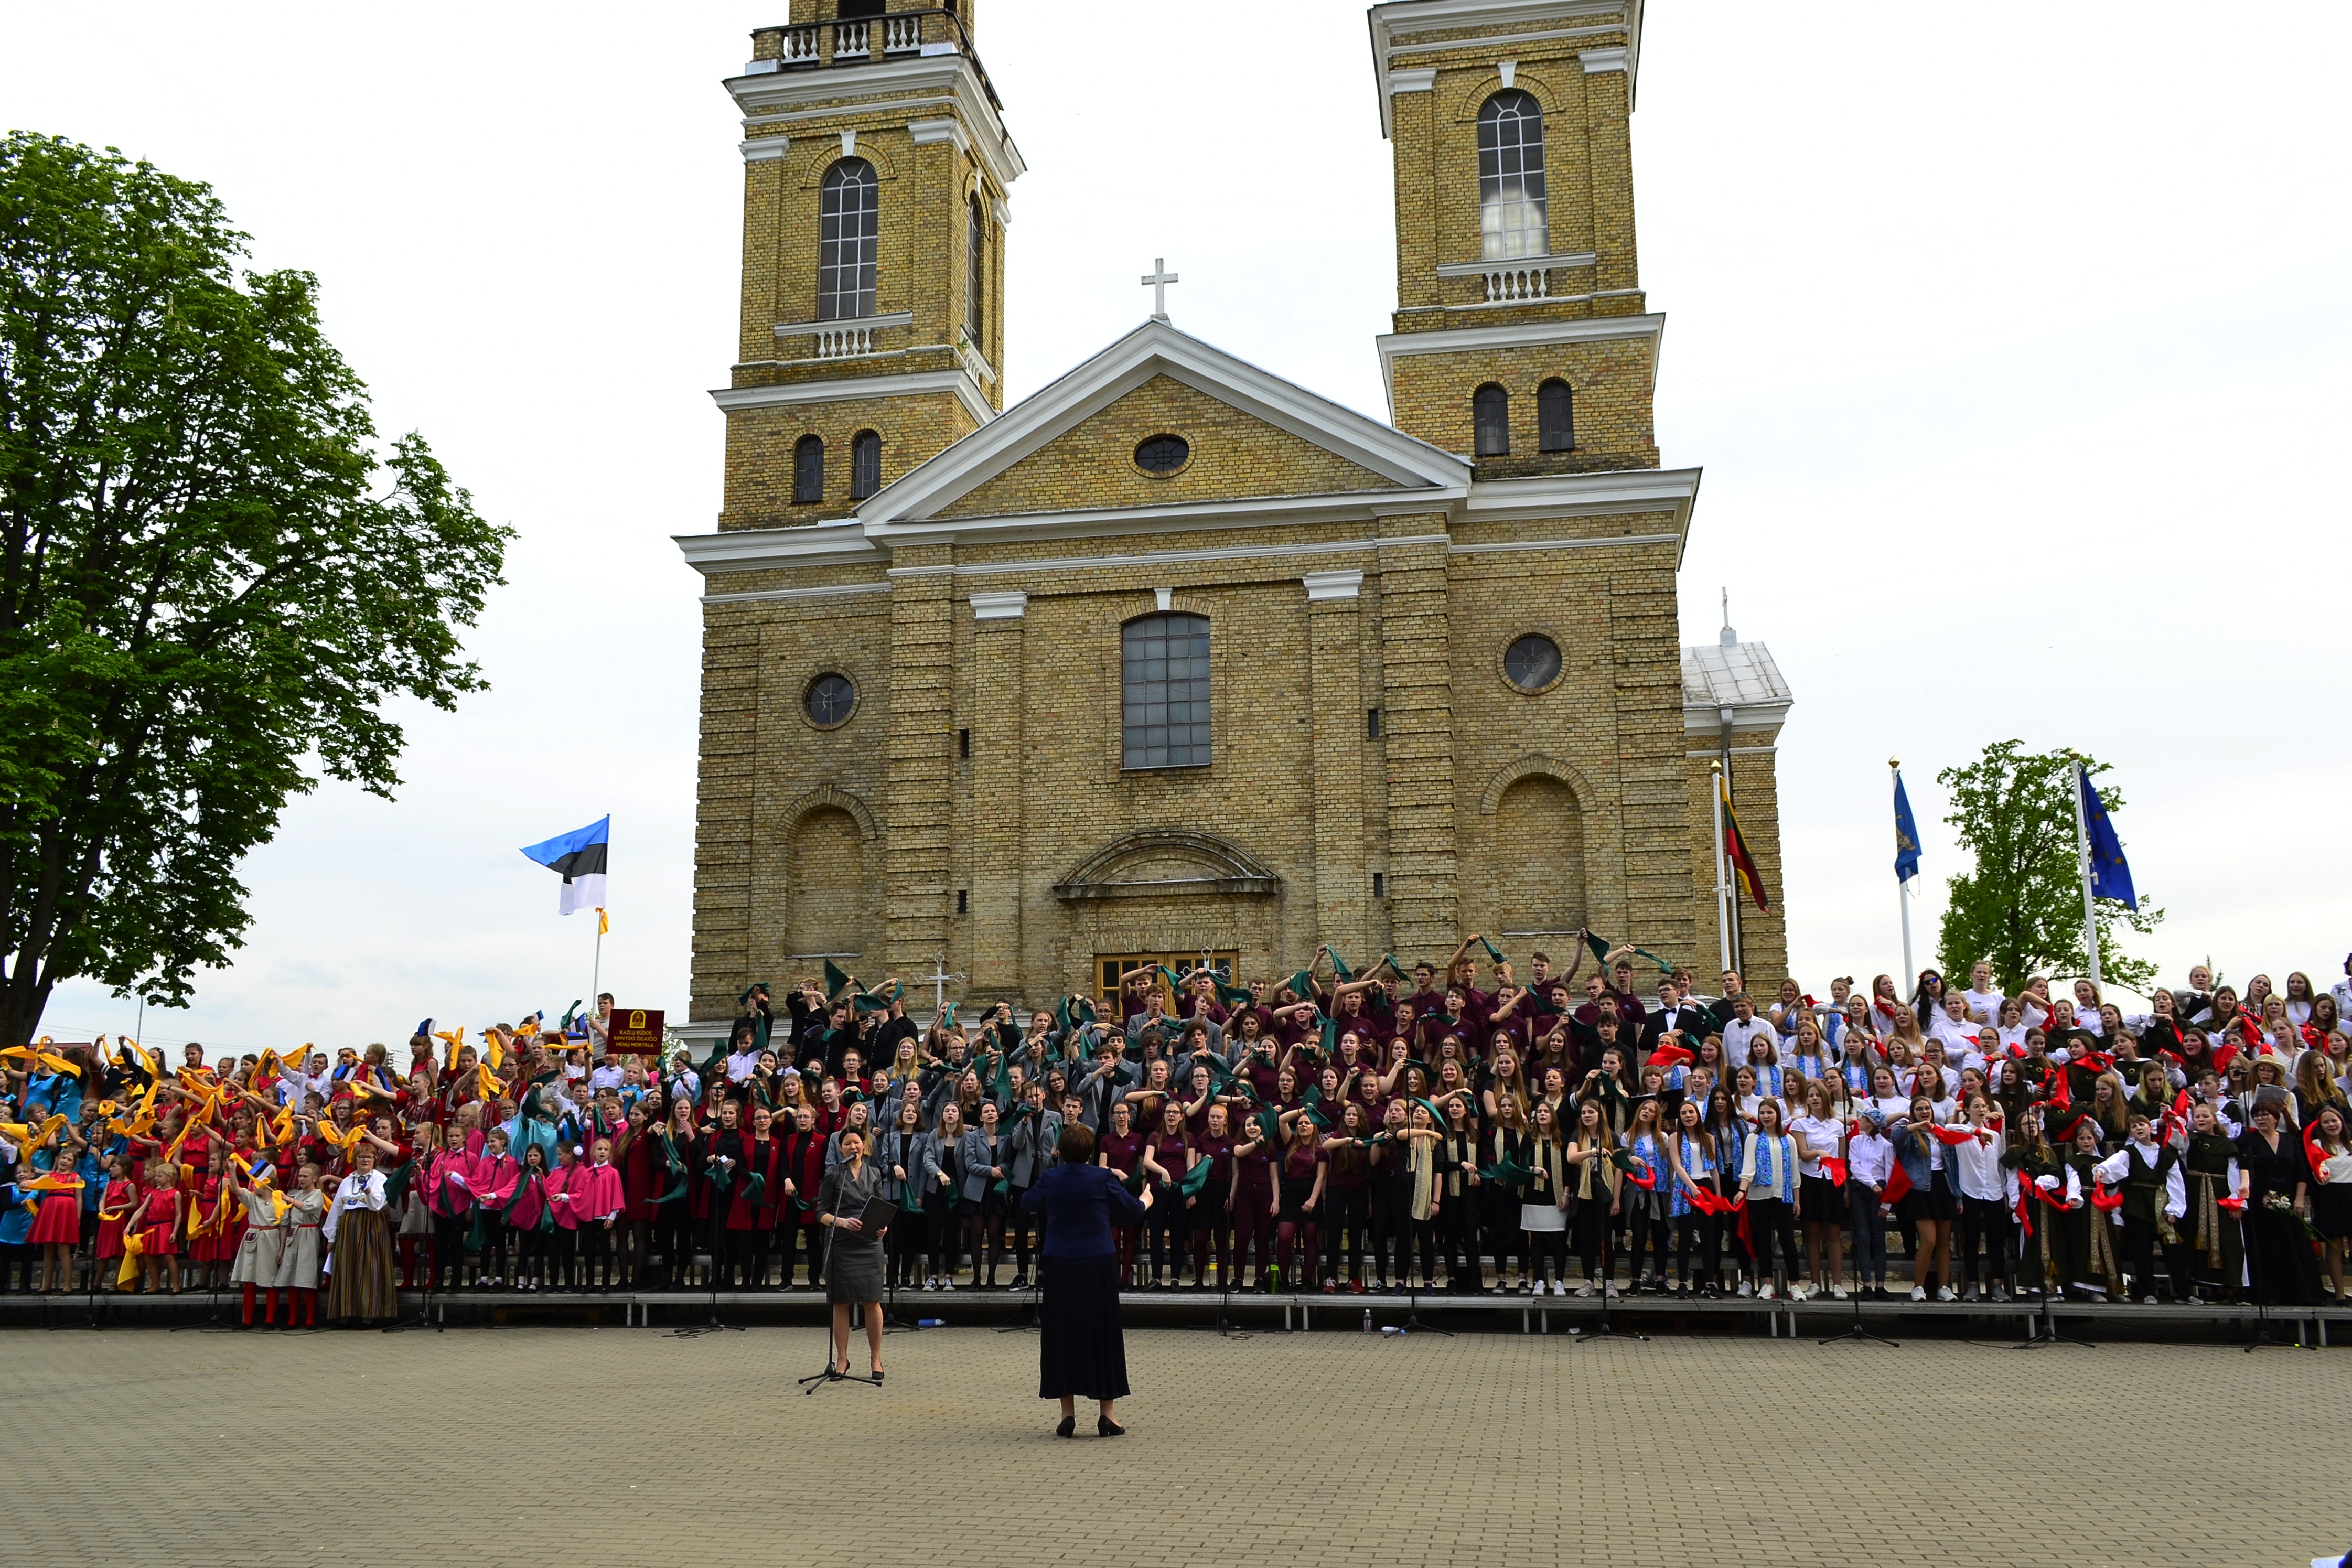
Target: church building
{"points": [[1174, 658]]}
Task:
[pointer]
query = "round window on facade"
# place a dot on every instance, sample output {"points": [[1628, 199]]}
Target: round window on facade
{"points": [[1163, 454], [829, 701], [1532, 663]]}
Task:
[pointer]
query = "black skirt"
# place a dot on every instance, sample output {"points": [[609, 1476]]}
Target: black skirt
{"points": [[1081, 1352], [2331, 1210], [1938, 1201], [1820, 1201]]}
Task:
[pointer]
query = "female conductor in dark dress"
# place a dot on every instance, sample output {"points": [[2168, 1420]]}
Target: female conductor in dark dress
{"points": [[852, 1271], [1080, 1350]]}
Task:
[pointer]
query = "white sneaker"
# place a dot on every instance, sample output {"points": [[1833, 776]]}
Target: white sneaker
{"points": [[1918, 1292], [1944, 1293], [1765, 1294], [1611, 1290], [1586, 1290], [1838, 1294], [1745, 1289]]}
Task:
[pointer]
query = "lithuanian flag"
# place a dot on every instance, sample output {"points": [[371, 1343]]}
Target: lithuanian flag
{"points": [[1735, 848]]}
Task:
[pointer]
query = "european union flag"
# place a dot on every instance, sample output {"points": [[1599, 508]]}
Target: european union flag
{"points": [[1907, 835], [2110, 875]]}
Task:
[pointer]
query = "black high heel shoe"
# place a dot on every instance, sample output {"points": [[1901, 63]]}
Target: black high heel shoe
{"points": [[1069, 1429], [1107, 1428]]}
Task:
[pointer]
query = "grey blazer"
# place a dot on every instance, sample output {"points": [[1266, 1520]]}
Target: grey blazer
{"points": [[973, 1152], [886, 1153], [1028, 1148], [924, 1172]]}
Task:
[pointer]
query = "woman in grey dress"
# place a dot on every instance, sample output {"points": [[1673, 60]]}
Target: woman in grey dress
{"points": [[852, 1273]]}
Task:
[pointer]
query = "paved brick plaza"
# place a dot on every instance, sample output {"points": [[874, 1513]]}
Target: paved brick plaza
{"points": [[348, 1449]]}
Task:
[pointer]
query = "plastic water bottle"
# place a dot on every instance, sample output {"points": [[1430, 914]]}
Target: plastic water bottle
{"points": [[1367, 1319], [1391, 1328], [930, 1322]]}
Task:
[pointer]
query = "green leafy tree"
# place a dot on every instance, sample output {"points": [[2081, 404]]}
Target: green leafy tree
{"points": [[2021, 906], [213, 576]]}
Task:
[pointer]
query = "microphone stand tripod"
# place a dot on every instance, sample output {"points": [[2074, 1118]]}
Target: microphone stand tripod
{"points": [[1223, 1327], [1856, 1332], [1412, 1290], [1607, 1331], [712, 1325], [2045, 1328], [89, 1321]]}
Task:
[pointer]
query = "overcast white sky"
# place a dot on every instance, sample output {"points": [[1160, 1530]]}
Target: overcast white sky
{"points": [[2015, 350]]}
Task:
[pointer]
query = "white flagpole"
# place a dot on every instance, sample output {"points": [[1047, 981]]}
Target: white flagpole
{"points": [[1722, 890], [2082, 863], [1903, 895], [596, 970]]}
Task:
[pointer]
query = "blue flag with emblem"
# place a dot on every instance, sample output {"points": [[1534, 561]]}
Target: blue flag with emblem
{"points": [[1906, 835], [2110, 873]]}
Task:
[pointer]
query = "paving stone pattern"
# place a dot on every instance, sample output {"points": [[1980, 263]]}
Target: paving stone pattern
{"points": [[1304, 1449]]}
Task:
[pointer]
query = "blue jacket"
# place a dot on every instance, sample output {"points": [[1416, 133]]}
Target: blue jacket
{"points": [[1078, 1202]]}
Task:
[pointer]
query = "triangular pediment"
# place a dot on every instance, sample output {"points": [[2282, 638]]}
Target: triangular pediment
{"points": [[1070, 446]]}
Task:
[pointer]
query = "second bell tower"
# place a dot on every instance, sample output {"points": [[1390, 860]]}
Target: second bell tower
{"points": [[875, 164]]}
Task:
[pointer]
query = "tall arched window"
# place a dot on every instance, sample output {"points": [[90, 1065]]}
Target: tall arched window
{"points": [[1490, 414], [1164, 691], [865, 465], [850, 222], [976, 271], [1556, 417], [808, 470], [1511, 221]]}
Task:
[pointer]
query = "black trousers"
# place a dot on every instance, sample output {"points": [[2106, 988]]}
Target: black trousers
{"points": [[494, 1245], [674, 1236], [1697, 1230], [1211, 1230], [1594, 1224], [1985, 1221], [1347, 1212], [1652, 1236], [1459, 1225], [1165, 1226], [1392, 1231], [1770, 1219], [449, 1249], [598, 1262], [2139, 1260], [531, 1259]]}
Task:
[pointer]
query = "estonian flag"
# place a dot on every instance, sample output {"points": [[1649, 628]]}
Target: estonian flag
{"points": [[578, 857], [1907, 835], [2110, 877]]}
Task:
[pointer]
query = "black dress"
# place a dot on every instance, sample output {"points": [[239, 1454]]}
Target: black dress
{"points": [[2278, 1247]]}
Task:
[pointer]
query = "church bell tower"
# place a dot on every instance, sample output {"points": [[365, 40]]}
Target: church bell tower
{"points": [[1521, 338], [875, 163]]}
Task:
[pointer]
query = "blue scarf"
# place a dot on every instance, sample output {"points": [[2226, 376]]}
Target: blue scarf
{"points": [[1767, 1174]]}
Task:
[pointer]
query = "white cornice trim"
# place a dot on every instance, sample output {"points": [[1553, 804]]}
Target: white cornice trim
{"points": [[1322, 586], [1594, 62], [1504, 41], [807, 328], [840, 542], [765, 149], [1595, 542], [1419, 79], [1516, 264], [999, 604], [832, 591], [1406, 17], [1156, 349], [1747, 718], [904, 385], [926, 131], [1108, 522], [1393, 346], [786, 91], [1617, 493]]}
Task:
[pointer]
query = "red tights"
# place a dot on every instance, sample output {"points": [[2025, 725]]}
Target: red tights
{"points": [[276, 1305]]}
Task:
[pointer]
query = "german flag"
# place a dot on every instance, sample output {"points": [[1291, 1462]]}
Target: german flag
{"points": [[1734, 847]]}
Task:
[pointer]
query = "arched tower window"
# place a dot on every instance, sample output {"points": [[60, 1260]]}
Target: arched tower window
{"points": [[1511, 221], [808, 470], [976, 271], [1490, 414], [865, 465], [850, 227], [1556, 417], [1164, 691]]}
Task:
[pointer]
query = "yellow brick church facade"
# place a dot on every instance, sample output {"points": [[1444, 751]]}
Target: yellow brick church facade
{"points": [[1175, 656]]}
